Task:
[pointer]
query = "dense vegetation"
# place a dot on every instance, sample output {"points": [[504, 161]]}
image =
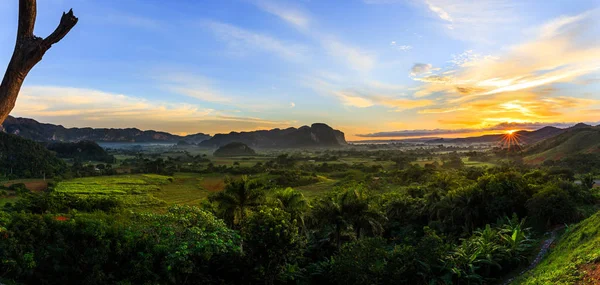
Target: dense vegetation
{"points": [[83, 151], [372, 214], [23, 158], [576, 252]]}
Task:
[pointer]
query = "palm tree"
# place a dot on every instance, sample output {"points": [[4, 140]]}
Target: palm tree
{"points": [[294, 203], [348, 209], [238, 198], [328, 212]]}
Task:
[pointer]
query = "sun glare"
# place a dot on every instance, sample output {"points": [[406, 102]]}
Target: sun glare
{"points": [[510, 132]]}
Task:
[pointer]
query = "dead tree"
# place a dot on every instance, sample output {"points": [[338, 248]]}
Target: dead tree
{"points": [[29, 50]]}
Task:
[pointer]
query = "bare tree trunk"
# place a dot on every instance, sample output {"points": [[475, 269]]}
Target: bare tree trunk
{"points": [[29, 50]]}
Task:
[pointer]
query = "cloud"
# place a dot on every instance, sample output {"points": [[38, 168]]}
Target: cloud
{"points": [[354, 57], [351, 99], [364, 99], [243, 40], [440, 12], [191, 85], [420, 68], [88, 104], [504, 126], [79, 107], [522, 84], [400, 47], [474, 20], [293, 17]]}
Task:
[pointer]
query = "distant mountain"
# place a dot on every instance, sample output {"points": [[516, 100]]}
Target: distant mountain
{"points": [[317, 135], [34, 130], [579, 139], [524, 137], [234, 149]]}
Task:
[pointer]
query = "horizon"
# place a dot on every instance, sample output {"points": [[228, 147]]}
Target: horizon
{"points": [[368, 68], [397, 136]]}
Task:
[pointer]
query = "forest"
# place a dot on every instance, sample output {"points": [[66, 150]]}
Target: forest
{"points": [[366, 214]]}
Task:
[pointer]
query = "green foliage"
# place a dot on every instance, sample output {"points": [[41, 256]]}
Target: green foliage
{"points": [[271, 241], [348, 210], [240, 197], [82, 150], [24, 158], [551, 205], [184, 246]]}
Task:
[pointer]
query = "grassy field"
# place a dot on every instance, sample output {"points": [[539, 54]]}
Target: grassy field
{"points": [[574, 260], [132, 190], [190, 188], [477, 163], [318, 189], [149, 190]]}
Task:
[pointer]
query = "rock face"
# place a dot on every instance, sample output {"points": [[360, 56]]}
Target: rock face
{"points": [[317, 135], [34, 130], [234, 149]]}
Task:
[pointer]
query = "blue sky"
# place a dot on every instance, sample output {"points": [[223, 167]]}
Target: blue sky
{"points": [[364, 66]]}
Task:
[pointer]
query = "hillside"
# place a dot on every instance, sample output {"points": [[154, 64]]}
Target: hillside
{"points": [[579, 140], [24, 158], [34, 130], [234, 149], [573, 260], [525, 137], [317, 135], [83, 150]]}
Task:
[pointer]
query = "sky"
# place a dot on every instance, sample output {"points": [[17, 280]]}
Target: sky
{"points": [[374, 69]]}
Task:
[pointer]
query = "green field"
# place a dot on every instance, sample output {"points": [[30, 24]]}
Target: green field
{"points": [[132, 190], [157, 191], [318, 189]]}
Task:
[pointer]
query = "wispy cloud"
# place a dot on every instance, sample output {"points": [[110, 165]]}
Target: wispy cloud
{"points": [[78, 107], [292, 16], [88, 104], [242, 40], [400, 47], [353, 56], [473, 20], [366, 99], [420, 68], [191, 85]]}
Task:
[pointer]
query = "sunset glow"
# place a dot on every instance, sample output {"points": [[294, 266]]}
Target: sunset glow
{"points": [[436, 68]]}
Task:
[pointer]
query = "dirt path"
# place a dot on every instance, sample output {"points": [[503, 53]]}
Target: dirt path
{"points": [[545, 246]]}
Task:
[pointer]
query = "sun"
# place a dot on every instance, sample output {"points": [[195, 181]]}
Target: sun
{"points": [[510, 132]]}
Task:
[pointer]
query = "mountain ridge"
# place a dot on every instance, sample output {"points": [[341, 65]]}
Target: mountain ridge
{"points": [[316, 135], [34, 130], [523, 136]]}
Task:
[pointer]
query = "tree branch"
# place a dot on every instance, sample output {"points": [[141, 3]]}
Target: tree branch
{"points": [[67, 22], [27, 14]]}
